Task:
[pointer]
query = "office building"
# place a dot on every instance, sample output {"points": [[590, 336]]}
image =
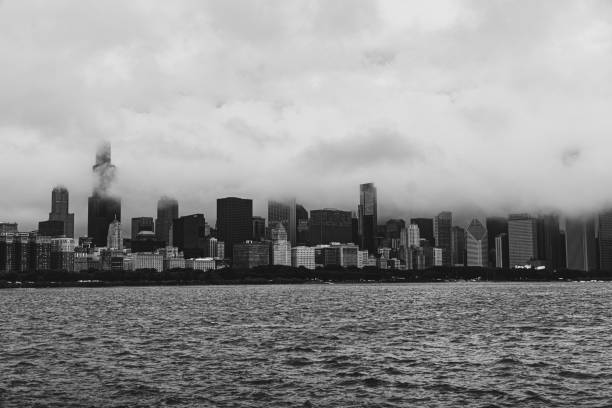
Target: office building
{"points": [[477, 244], [522, 239], [284, 212], [143, 260], [140, 224], [259, 228], [62, 254], [442, 234], [344, 255], [458, 246], [52, 228], [251, 254], [426, 229], [330, 225], [368, 216], [549, 241], [59, 211], [114, 238], [605, 240], [146, 241], [188, 235], [495, 226], [167, 212], [8, 227], [234, 221], [502, 258], [581, 249], [303, 256], [281, 248], [438, 256]]}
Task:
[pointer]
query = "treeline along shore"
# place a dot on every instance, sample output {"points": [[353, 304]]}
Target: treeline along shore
{"points": [[284, 275]]}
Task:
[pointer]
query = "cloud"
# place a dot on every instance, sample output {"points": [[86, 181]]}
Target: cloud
{"points": [[486, 107]]}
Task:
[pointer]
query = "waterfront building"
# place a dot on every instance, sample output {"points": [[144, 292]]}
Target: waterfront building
{"points": [[174, 263], [62, 254], [250, 254], [477, 244], [438, 256], [522, 239], [344, 255], [549, 241], [303, 256], [144, 260], [368, 216], [201, 264], [234, 221], [581, 249]]}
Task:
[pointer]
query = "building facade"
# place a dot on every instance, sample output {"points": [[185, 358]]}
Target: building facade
{"points": [[477, 244], [234, 221], [167, 212], [522, 239], [368, 216]]}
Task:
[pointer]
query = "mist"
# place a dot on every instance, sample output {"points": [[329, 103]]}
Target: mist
{"points": [[480, 108]]}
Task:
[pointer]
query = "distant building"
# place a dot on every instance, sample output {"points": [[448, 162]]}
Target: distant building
{"points": [[144, 260], [259, 228], [189, 235], [330, 225], [502, 259], [477, 244], [167, 212], [344, 255], [250, 254], [362, 259], [281, 247], [580, 244], [214, 248], [303, 256], [146, 241], [426, 229], [234, 221], [52, 228], [103, 208], [8, 227], [114, 238], [201, 264], [174, 263], [40, 253], [285, 213], [458, 246], [522, 239], [368, 216], [60, 212], [549, 241], [605, 240], [442, 234], [140, 224], [62, 254], [438, 256], [495, 226]]}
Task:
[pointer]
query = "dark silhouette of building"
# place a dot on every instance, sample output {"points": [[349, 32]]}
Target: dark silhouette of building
{"points": [[146, 241], [234, 221], [51, 228], [502, 251], [103, 208], [59, 210], [549, 240], [442, 234], [580, 244], [259, 228], [247, 255], [426, 229], [458, 246], [140, 224], [495, 226], [355, 238], [368, 217], [605, 241], [167, 212], [189, 235], [330, 225]]}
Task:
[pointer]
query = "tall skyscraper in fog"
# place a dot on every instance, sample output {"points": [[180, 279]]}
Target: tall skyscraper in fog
{"points": [[103, 208], [605, 240], [442, 234], [234, 221], [284, 212], [457, 246], [368, 216], [549, 240], [522, 239], [581, 251], [189, 236], [495, 226], [59, 210], [477, 244], [167, 212]]}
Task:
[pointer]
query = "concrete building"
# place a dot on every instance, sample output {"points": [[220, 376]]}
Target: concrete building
{"points": [[477, 244], [200, 264], [103, 208], [344, 255], [250, 254], [438, 256], [362, 259], [174, 263], [522, 239], [426, 228], [143, 260], [303, 256], [114, 239], [62, 254], [581, 249]]}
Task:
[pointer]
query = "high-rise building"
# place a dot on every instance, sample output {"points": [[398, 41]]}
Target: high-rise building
{"points": [[52, 228], [605, 240], [502, 259], [458, 247], [426, 229], [477, 244], [368, 216], [281, 248], [581, 251], [410, 236], [259, 228], [495, 226], [234, 221], [140, 224], [249, 254], [522, 239], [103, 208], [62, 254], [188, 235], [549, 240], [285, 212], [330, 225], [114, 239], [303, 256], [442, 234], [8, 227], [167, 212], [59, 210]]}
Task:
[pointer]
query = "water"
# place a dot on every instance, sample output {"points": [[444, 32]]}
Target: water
{"points": [[434, 345]]}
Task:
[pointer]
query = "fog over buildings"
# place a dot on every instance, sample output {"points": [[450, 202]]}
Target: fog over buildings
{"points": [[475, 107]]}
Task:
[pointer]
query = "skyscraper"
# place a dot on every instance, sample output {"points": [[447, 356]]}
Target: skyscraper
{"points": [[189, 236], [605, 240], [167, 212], [234, 221], [442, 234], [103, 208], [140, 224], [502, 259], [426, 228], [495, 226], [368, 216], [285, 212], [580, 244], [59, 210], [330, 225], [522, 239], [114, 239], [477, 244], [259, 228], [457, 246], [549, 240]]}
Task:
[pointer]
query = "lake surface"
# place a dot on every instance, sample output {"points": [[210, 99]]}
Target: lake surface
{"points": [[434, 345]]}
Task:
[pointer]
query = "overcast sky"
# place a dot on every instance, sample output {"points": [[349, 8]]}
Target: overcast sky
{"points": [[479, 107]]}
